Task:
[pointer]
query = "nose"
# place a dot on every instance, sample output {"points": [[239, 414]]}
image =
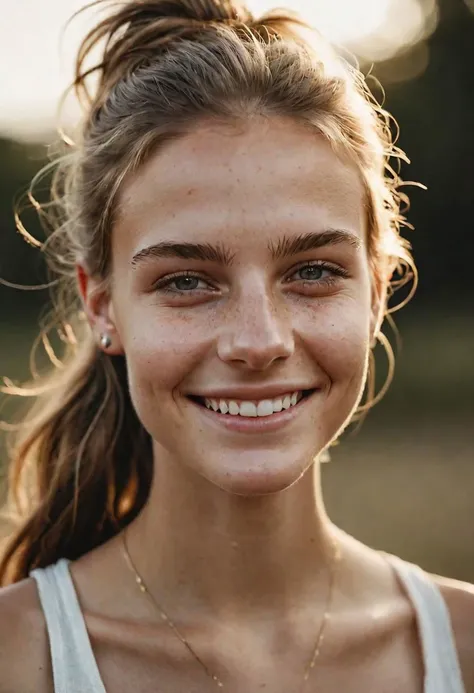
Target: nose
{"points": [[256, 334]]}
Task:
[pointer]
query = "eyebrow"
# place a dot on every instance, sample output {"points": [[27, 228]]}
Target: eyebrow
{"points": [[285, 246], [186, 251]]}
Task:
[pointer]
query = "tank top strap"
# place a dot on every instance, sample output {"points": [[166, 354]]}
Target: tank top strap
{"points": [[74, 666], [441, 662]]}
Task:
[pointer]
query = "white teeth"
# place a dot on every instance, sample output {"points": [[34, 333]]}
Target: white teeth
{"points": [[248, 409], [265, 407], [277, 404]]}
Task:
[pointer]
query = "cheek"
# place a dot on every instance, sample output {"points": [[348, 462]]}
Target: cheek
{"points": [[337, 335], [160, 353]]}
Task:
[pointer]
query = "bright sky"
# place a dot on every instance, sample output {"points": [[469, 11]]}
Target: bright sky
{"points": [[36, 66]]}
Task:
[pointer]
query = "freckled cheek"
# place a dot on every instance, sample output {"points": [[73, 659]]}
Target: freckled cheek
{"points": [[337, 338], [160, 355]]}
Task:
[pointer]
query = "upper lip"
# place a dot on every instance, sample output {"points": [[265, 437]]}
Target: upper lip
{"points": [[245, 393]]}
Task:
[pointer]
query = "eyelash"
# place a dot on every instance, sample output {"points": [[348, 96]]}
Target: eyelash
{"points": [[336, 271]]}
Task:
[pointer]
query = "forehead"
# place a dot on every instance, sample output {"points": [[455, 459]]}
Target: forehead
{"points": [[269, 174]]}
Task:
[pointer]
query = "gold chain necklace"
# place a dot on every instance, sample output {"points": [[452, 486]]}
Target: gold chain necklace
{"points": [[336, 556]]}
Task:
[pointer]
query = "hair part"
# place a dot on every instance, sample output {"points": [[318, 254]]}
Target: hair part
{"points": [[82, 464]]}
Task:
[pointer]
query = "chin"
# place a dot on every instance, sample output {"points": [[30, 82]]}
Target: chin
{"points": [[251, 476]]}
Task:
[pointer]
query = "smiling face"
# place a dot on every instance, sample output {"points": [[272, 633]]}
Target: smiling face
{"points": [[240, 278]]}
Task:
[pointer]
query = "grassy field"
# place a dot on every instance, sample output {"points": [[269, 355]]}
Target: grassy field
{"points": [[409, 489]]}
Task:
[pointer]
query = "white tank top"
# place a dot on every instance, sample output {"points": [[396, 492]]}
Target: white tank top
{"points": [[75, 669]]}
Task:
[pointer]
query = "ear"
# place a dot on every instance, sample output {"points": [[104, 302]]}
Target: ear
{"points": [[99, 310]]}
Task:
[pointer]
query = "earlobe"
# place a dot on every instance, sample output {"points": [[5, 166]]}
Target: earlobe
{"points": [[99, 311]]}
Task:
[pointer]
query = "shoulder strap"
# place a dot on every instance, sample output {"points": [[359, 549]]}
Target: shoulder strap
{"points": [[442, 670], [74, 666]]}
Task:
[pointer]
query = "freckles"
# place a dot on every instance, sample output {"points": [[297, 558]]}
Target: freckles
{"points": [[338, 340], [163, 350], [349, 352]]}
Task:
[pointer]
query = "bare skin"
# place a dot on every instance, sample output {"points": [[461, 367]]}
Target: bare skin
{"points": [[234, 541]]}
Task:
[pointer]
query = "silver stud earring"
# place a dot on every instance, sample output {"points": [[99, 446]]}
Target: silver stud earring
{"points": [[105, 341]]}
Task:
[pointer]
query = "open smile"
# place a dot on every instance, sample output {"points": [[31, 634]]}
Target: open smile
{"points": [[254, 415]]}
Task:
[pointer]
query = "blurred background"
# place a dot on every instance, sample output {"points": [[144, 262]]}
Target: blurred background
{"points": [[405, 481]]}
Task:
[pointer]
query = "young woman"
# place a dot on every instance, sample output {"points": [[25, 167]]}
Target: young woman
{"points": [[230, 224]]}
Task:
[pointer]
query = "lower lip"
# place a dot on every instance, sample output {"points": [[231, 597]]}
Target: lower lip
{"points": [[258, 424]]}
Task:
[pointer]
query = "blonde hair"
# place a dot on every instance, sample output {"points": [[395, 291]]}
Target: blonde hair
{"points": [[81, 466]]}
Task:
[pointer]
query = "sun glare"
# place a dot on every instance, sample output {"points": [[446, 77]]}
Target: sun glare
{"points": [[373, 29], [40, 66], [342, 21]]}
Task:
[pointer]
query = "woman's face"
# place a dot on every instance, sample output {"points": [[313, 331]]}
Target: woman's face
{"points": [[240, 277]]}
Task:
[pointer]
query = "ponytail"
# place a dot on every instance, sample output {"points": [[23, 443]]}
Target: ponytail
{"points": [[85, 461]]}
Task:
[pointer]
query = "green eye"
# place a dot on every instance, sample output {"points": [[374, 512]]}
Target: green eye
{"points": [[318, 274], [311, 272], [186, 283]]}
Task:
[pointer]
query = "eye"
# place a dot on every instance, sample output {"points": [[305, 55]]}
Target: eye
{"points": [[318, 273], [311, 272], [184, 283]]}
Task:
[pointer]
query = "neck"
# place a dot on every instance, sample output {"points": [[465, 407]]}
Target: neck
{"points": [[226, 556]]}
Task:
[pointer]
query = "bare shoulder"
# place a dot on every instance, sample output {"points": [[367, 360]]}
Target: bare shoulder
{"points": [[24, 646], [459, 598]]}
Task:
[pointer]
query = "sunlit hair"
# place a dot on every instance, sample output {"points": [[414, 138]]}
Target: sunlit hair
{"points": [[81, 465]]}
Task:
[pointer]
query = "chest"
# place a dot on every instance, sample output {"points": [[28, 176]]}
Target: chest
{"points": [[393, 665]]}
